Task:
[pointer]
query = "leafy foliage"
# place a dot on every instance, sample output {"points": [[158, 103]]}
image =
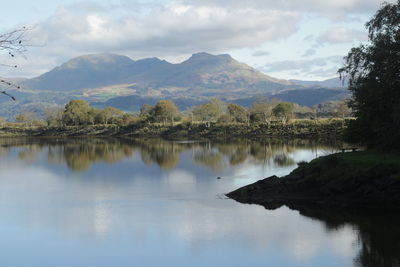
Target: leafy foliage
{"points": [[238, 112], [373, 71], [283, 111], [165, 110], [76, 113]]}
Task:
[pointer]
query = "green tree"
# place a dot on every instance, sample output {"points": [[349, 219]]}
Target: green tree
{"points": [[165, 110], [238, 113], [147, 112], [3, 121], [283, 111], [210, 112], [27, 117], [76, 112], [95, 116], [20, 118], [373, 74], [111, 114], [53, 116], [261, 111]]}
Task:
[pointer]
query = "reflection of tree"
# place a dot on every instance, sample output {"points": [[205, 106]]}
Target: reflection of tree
{"points": [[283, 160], [29, 153], [4, 151], [161, 152], [210, 158], [379, 234], [164, 158], [80, 153], [239, 156]]}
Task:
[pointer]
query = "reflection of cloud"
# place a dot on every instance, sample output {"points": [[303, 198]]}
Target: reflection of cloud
{"points": [[180, 180], [199, 223], [102, 218]]}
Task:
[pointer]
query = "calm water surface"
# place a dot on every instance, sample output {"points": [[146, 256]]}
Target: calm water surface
{"points": [[150, 202]]}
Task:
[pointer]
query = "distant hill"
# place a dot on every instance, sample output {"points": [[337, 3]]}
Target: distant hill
{"points": [[329, 83], [202, 71], [311, 97], [304, 97]]}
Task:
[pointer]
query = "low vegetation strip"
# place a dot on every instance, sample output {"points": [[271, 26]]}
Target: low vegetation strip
{"points": [[332, 128]]}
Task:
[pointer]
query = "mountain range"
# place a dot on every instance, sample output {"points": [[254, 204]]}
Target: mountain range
{"points": [[116, 80]]}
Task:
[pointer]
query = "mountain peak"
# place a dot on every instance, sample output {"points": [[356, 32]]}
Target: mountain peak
{"points": [[201, 55], [95, 60]]}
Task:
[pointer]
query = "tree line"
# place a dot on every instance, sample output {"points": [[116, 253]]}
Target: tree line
{"points": [[166, 112]]}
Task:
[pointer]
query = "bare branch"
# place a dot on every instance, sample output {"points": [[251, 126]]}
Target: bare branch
{"points": [[5, 93], [13, 42]]}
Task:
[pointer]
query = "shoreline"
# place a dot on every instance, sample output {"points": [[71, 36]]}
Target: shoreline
{"points": [[332, 129], [344, 180]]}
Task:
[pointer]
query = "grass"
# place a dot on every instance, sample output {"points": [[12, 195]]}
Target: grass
{"points": [[365, 159]]}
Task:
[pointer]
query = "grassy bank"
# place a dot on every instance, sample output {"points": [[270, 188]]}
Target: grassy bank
{"points": [[296, 129], [368, 179]]}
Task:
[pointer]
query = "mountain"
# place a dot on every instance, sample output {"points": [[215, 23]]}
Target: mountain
{"points": [[202, 73], [91, 71], [116, 80], [313, 96], [329, 83]]}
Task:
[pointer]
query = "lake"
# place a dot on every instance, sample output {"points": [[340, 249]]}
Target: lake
{"points": [[152, 202]]}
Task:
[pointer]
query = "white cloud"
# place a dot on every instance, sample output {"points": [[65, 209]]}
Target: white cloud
{"points": [[260, 53], [302, 65], [174, 27], [319, 67], [169, 30], [331, 9], [342, 35]]}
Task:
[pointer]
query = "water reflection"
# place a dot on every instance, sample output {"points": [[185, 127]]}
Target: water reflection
{"points": [[81, 154], [378, 233], [120, 202]]}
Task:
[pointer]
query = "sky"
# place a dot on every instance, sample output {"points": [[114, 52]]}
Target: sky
{"points": [[287, 39]]}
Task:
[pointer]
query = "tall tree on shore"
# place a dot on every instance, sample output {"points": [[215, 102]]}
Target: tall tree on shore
{"points": [[238, 113], [283, 111], [373, 71], [76, 113], [210, 112], [261, 111], [165, 110]]}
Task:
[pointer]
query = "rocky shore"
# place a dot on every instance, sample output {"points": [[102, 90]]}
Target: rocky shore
{"points": [[356, 179]]}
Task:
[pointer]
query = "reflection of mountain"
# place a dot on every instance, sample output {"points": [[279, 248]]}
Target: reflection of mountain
{"points": [[80, 154]]}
